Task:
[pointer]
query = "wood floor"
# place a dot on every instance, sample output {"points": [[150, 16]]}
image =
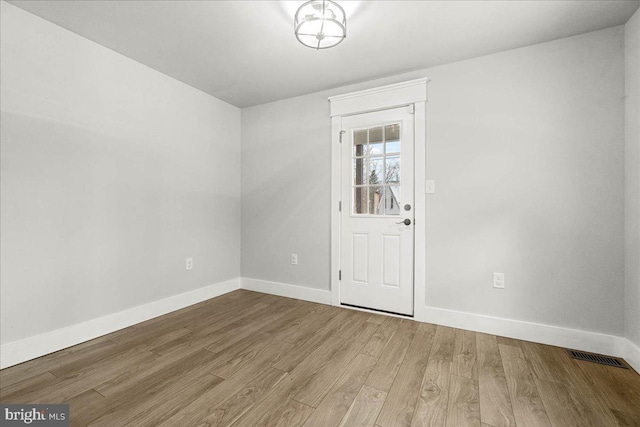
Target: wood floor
{"points": [[248, 359]]}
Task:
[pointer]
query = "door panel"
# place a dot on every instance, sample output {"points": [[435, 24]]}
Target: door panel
{"points": [[360, 257], [376, 184], [391, 260]]}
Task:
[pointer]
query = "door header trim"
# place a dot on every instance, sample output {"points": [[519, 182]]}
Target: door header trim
{"points": [[383, 97]]}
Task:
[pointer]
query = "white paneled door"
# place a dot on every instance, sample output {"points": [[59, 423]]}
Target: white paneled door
{"points": [[377, 220]]}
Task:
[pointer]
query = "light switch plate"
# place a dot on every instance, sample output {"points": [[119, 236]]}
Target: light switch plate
{"points": [[498, 280], [430, 186]]}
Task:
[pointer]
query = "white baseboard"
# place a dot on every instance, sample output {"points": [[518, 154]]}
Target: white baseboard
{"points": [[39, 345], [29, 348], [286, 290], [632, 355], [535, 332]]}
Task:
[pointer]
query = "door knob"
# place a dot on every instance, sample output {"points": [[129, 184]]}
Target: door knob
{"points": [[405, 222]]}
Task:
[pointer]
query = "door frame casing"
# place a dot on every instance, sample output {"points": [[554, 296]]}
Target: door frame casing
{"points": [[413, 92]]}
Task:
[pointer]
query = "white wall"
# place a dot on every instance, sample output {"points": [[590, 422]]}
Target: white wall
{"points": [[632, 179], [286, 192], [112, 174], [527, 148]]}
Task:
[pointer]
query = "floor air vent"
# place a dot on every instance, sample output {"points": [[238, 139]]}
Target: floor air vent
{"points": [[597, 358]]}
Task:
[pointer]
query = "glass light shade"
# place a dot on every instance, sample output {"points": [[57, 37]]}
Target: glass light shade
{"points": [[320, 24]]}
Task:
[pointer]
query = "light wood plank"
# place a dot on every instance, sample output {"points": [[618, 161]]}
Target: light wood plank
{"points": [[443, 344], [553, 364], [365, 408], [302, 351], [43, 364], [16, 391], [203, 336], [560, 406], [237, 404], [384, 373], [303, 378], [82, 407], [625, 419], [326, 374], [527, 404], [230, 362], [378, 318], [203, 410], [309, 324], [547, 362], [464, 355], [86, 376], [158, 369], [619, 388], [401, 400], [495, 402], [137, 409], [376, 345], [463, 408], [255, 323], [431, 407], [337, 402], [509, 341], [353, 328], [291, 414]]}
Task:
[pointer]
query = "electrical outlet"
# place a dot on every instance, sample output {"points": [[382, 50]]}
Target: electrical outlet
{"points": [[294, 259], [498, 280], [189, 263]]}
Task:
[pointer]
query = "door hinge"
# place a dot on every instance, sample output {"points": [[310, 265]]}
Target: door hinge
{"points": [[339, 274], [412, 108], [339, 206], [341, 133]]}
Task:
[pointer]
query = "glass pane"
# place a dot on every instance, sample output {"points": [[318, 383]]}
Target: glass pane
{"points": [[376, 149], [360, 196], [359, 171], [393, 147], [375, 135], [392, 138], [392, 170], [375, 171], [376, 200], [359, 142], [376, 143], [392, 200], [392, 132]]}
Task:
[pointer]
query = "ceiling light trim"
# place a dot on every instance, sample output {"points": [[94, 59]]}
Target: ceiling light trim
{"points": [[316, 14]]}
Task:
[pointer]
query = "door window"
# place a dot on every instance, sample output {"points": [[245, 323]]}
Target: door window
{"points": [[376, 170]]}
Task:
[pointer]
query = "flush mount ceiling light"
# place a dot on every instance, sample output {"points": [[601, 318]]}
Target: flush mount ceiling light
{"points": [[320, 24]]}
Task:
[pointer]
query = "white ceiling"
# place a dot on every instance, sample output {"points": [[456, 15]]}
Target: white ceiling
{"points": [[245, 53]]}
